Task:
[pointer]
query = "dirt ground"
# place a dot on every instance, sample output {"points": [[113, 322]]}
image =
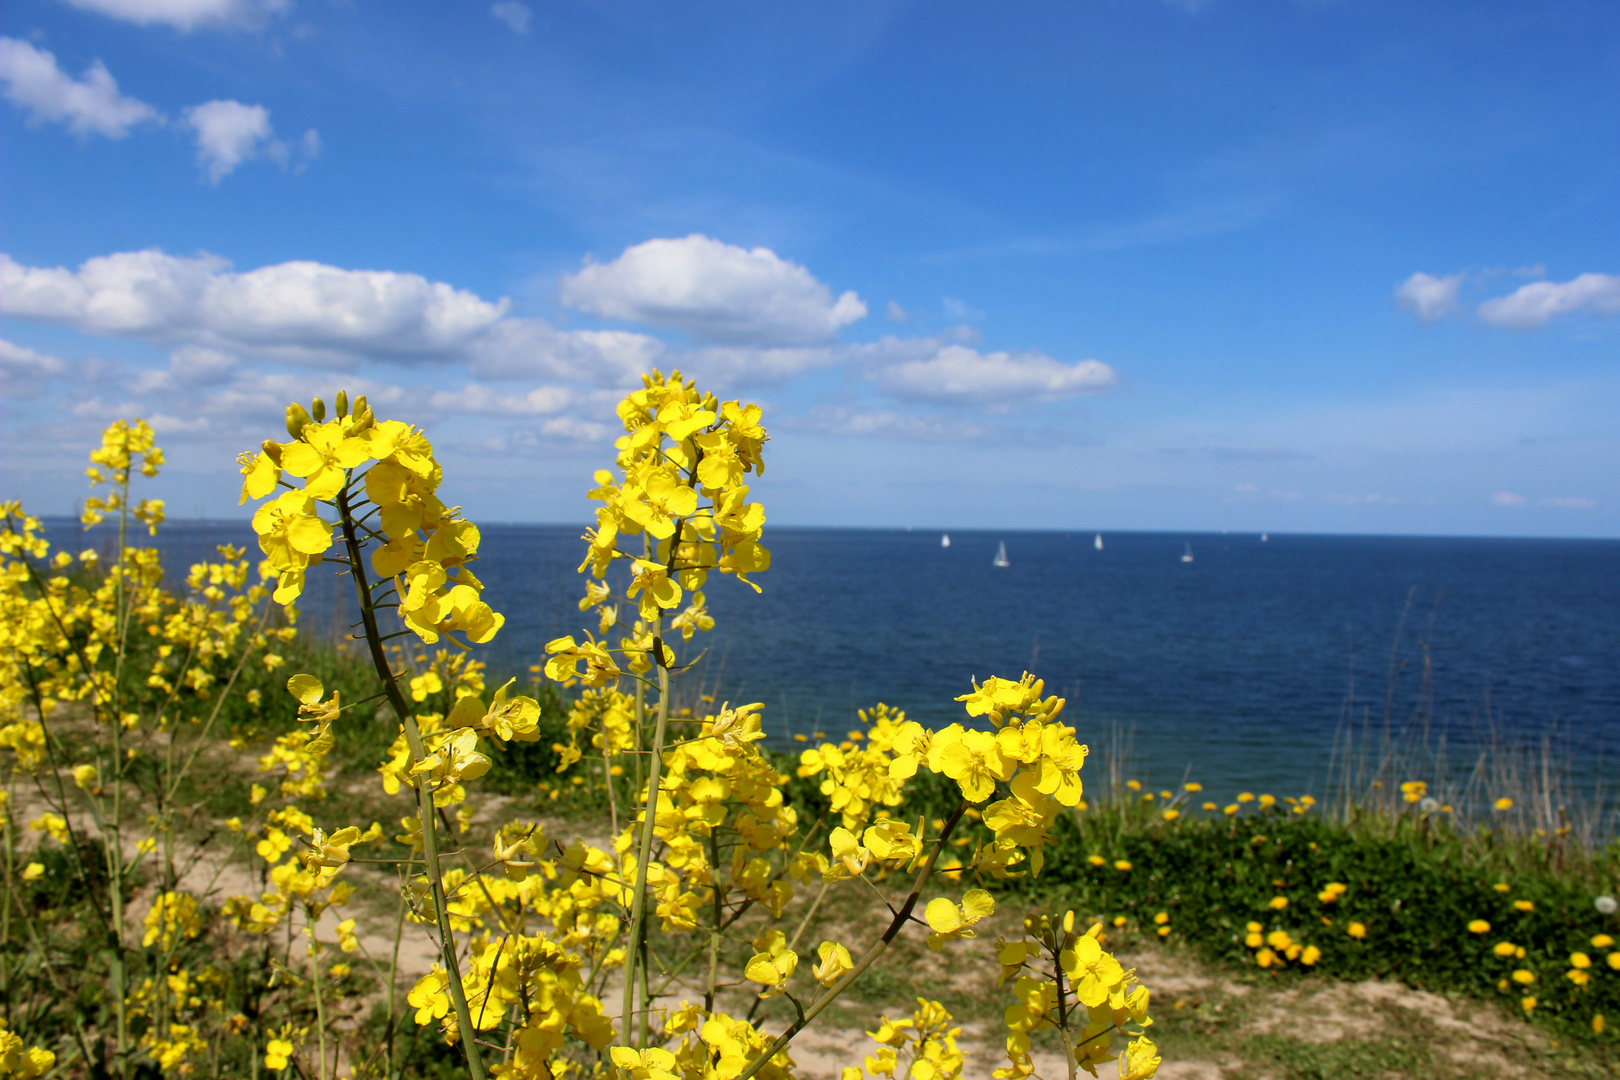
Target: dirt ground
{"points": [[1210, 1024]]}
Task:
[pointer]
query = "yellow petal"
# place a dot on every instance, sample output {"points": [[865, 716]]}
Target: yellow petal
{"points": [[977, 904], [942, 915], [309, 535], [761, 970], [306, 688]]}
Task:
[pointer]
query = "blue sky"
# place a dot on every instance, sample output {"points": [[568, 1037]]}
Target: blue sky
{"points": [[1298, 265]]}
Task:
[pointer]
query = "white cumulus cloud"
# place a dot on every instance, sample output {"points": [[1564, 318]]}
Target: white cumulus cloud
{"points": [[857, 422], [1539, 302], [186, 14], [1428, 297], [24, 372], [958, 374], [533, 348], [304, 312], [45, 92], [714, 291], [229, 133], [513, 14], [477, 399]]}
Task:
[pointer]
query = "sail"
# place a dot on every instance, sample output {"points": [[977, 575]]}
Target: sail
{"points": [[1098, 544], [945, 541], [1001, 556]]}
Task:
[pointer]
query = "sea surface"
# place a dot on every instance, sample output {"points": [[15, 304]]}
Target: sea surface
{"points": [[1240, 665]]}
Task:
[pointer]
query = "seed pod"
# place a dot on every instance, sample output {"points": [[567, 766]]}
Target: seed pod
{"points": [[317, 409], [272, 450], [297, 419], [341, 405]]}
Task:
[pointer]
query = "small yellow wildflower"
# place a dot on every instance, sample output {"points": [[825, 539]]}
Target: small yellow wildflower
{"points": [[1357, 930], [1479, 926]]}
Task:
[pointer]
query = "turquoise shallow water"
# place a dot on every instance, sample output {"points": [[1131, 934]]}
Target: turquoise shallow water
{"points": [[1242, 663]]}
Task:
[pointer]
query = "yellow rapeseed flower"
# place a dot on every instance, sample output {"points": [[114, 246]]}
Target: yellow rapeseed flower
{"points": [[1279, 902], [1357, 930], [1479, 926], [1122, 864], [1528, 1004], [1523, 905], [1503, 803], [1504, 948], [1523, 977], [1580, 960]]}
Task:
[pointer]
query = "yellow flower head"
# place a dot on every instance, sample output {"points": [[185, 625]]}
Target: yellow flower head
{"points": [[948, 921]]}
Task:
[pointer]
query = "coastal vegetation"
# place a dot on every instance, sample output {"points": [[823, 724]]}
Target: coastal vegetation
{"points": [[232, 849]]}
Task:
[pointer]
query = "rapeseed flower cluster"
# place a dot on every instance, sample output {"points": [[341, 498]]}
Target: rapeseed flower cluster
{"points": [[531, 930]]}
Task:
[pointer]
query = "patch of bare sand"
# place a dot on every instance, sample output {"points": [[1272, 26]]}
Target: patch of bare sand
{"points": [[1471, 1033]]}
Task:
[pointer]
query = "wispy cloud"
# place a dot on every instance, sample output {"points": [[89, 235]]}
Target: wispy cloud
{"points": [[1538, 303], [46, 93], [1428, 297], [513, 14], [187, 14]]}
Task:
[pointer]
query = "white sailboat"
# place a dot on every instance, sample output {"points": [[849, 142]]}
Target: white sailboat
{"points": [[1098, 543], [1186, 556], [1001, 556], [945, 541], [1264, 537]]}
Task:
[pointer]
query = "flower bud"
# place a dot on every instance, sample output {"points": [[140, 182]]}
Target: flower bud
{"points": [[360, 405], [363, 419], [272, 450], [317, 409], [341, 405], [297, 419]]}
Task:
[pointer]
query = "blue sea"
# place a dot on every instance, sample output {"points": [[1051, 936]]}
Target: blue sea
{"points": [[1240, 664]]}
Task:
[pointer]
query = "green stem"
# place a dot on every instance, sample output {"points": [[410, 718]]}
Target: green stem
{"points": [[1063, 1010], [115, 853], [899, 921], [320, 995], [638, 909], [424, 791]]}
